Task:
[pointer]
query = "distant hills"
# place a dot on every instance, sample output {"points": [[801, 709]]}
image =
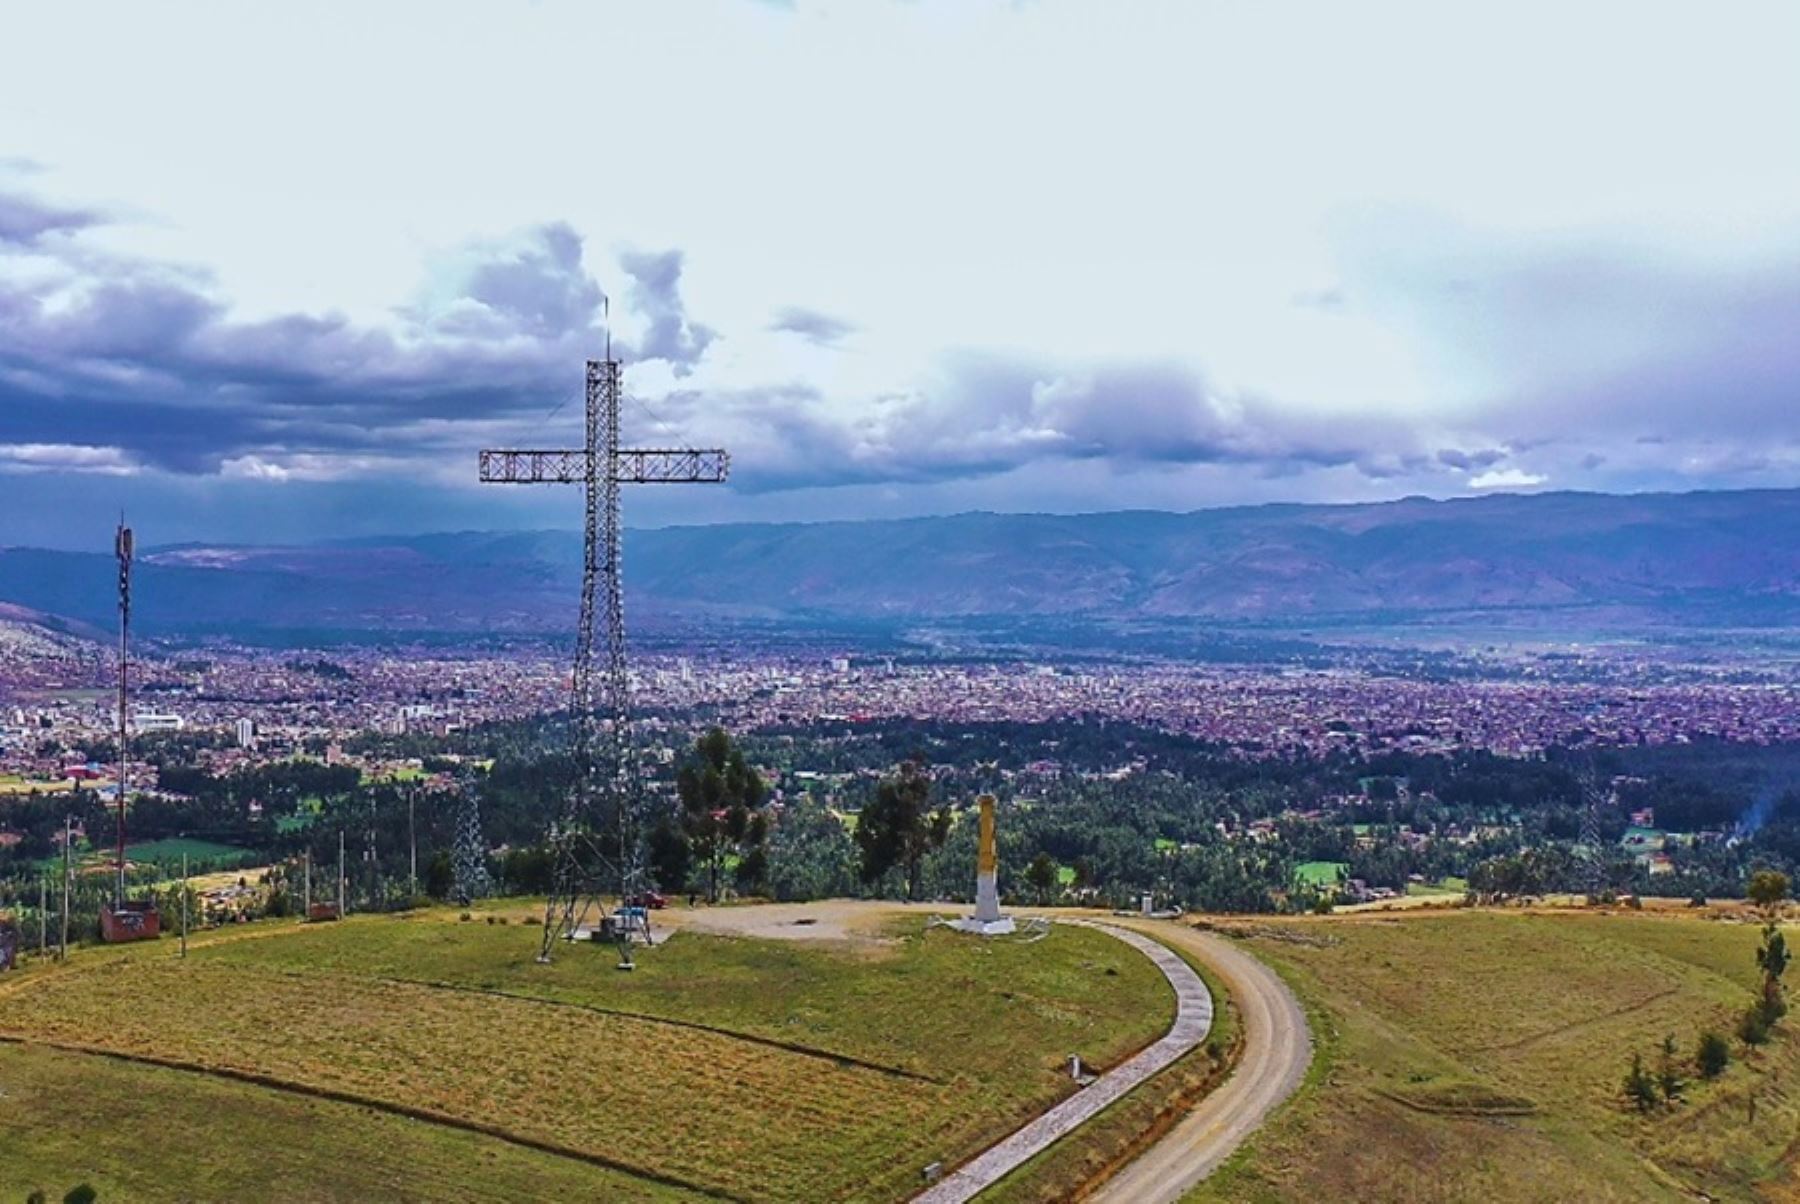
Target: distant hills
{"points": [[1618, 562]]}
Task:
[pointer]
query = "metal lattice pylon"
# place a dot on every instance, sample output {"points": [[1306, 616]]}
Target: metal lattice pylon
{"points": [[469, 862], [597, 841], [1593, 862]]}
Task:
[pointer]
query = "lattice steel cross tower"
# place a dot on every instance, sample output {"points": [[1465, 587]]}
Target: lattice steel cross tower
{"points": [[604, 772]]}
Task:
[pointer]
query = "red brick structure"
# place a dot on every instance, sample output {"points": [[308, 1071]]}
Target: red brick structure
{"points": [[133, 920]]}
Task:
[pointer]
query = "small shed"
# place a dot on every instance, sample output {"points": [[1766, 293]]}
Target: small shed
{"points": [[132, 920]]}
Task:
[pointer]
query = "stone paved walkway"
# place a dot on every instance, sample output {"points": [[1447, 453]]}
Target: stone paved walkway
{"points": [[1193, 1021]]}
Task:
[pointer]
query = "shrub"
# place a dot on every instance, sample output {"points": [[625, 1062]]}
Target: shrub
{"points": [[1712, 1055], [84, 1194], [1753, 1027]]}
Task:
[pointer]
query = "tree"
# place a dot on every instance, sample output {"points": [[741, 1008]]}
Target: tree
{"points": [[1768, 888], [670, 855], [440, 875], [1640, 1085], [1712, 1055], [1668, 1078], [1041, 874], [721, 797], [899, 827], [810, 854]]}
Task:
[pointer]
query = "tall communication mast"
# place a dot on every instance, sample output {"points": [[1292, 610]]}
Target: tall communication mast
{"points": [[123, 546], [607, 788]]}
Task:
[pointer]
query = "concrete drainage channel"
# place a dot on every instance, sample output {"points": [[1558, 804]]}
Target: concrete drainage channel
{"points": [[1193, 1021]]}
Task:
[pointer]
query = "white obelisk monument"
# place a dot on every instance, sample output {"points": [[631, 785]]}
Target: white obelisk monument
{"points": [[987, 920]]}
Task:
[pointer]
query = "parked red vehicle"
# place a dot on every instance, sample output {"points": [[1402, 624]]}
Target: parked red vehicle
{"points": [[650, 899]]}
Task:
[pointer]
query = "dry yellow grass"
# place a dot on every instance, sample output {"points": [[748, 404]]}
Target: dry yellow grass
{"points": [[457, 1022]]}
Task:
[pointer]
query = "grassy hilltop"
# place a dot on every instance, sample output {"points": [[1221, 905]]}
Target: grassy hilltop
{"points": [[1479, 1055], [421, 1057]]}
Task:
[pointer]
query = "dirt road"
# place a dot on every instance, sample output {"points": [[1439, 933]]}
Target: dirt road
{"points": [[1277, 1050]]}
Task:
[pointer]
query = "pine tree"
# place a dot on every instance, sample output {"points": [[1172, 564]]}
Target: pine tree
{"points": [[1668, 1078], [1640, 1086]]}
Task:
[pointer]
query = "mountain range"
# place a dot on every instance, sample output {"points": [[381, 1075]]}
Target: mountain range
{"points": [[1608, 561]]}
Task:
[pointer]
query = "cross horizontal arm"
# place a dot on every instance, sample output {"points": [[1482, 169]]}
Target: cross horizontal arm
{"points": [[646, 466]]}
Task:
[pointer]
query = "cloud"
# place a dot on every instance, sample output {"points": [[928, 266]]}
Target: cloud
{"points": [[655, 293], [67, 457], [99, 350], [23, 221], [1588, 335], [981, 415], [534, 285], [1469, 461], [1506, 478], [821, 330]]}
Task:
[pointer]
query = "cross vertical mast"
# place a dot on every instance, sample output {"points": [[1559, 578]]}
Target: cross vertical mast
{"points": [[606, 768]]}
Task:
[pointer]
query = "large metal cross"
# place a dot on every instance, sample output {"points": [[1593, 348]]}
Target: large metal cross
{"points": [[602, 467]]}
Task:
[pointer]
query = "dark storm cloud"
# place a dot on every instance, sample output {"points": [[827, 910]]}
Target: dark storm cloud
{"points": [[821, 330], [136, 357]]}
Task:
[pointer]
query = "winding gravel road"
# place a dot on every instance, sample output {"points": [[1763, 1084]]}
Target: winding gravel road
{"points": [[1277, 1050]]}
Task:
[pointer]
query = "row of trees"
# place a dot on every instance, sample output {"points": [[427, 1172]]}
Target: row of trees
{"points": [[1646, 1089]]}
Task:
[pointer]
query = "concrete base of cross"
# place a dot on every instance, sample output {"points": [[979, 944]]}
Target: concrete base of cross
{"points": [[1003, 926]]}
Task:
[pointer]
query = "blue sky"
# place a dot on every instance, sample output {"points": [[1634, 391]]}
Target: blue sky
{"points": [[277, 272]]}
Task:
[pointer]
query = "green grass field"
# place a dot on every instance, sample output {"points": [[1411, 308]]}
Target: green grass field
{"points": [[754, 1069], [1320, 875], [1479, 1055], [169, 852]]}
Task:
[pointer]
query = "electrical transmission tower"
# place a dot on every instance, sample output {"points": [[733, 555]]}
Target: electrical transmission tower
{"points": [[470, 860], [1593, 868], [607, 787]]}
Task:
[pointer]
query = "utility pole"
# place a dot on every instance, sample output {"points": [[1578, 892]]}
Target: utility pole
{"points": [[43, 914], [412, 839], [343, 902], [607, 773], [62, 952], [372, 886], [184, 891], [306, 912]]}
